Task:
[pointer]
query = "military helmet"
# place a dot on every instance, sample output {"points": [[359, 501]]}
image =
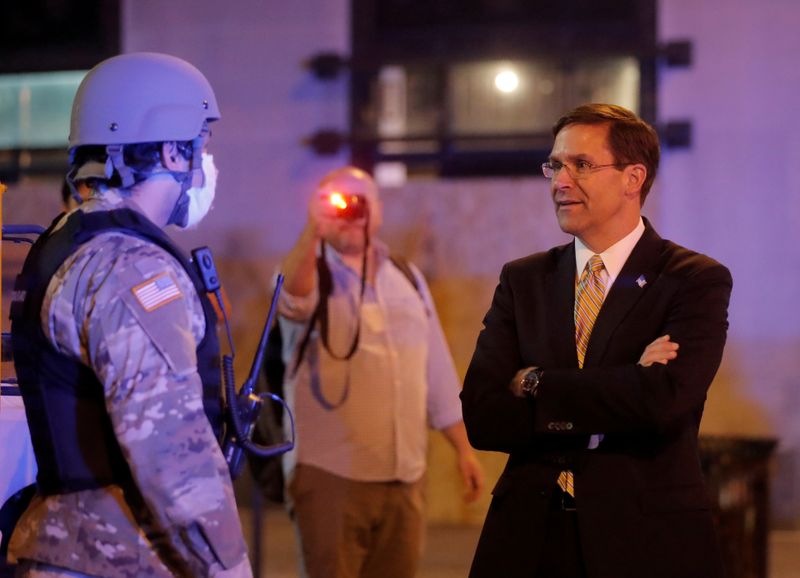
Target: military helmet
{"points": [[141, 97]]}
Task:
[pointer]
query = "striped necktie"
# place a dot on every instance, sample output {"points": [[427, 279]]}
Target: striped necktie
{"points": [[589, 295], [588, 299]]}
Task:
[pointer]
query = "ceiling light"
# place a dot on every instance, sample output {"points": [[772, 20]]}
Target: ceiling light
{"points": [[506, 81]]}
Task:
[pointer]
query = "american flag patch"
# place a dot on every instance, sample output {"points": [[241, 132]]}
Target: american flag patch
{"points": [[157, 291]]}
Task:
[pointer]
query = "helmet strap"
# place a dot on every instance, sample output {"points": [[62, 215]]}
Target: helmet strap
{"points": [[71, 184], [191, 178], [197, 162], [115, 156]]}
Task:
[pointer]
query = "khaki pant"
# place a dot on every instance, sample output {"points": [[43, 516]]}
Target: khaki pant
{"points": [[350, 529]]}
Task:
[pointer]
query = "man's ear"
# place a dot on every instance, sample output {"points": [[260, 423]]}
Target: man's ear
{"points": [[171, 157], [636, 175]]}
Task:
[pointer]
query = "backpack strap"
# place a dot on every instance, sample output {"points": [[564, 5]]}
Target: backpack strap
{"points": [[405, 268]]}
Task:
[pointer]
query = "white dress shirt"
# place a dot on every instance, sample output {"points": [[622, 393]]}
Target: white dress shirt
{"points": [[613, 259]]}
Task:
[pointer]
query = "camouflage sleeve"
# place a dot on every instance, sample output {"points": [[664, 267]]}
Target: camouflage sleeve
{"points": [[139, 319]]}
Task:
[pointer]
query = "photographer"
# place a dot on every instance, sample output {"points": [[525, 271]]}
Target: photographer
{"points": [[368, 370]]}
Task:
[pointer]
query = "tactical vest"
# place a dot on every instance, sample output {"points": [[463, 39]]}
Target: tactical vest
{"points": [[71, 431]]}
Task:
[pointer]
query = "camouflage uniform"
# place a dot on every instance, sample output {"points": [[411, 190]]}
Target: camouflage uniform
{"points": [[184, 520]]}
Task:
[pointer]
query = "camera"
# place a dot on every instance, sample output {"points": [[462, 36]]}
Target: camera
{"points": [[348, 206]]}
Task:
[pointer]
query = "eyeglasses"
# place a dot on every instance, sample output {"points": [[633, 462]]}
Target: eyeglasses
{"points": [[580, 170]]}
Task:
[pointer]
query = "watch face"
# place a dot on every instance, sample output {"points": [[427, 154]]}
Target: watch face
{"points": [[530, 381]]}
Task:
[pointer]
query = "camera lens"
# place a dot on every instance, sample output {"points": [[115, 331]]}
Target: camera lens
{"points": [[349, 207]]}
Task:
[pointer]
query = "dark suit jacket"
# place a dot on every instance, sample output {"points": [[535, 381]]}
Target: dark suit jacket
{"points": [[642, 506]]}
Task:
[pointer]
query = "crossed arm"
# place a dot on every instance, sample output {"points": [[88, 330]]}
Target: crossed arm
{"points": [[630, 392], [661, 350]]}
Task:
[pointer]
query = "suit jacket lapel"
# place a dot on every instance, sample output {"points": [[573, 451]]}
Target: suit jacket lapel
{"points": [[636, 277], [560, 287]]}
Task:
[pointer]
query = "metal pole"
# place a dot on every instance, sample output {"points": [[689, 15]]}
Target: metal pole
{"points": [[257, 503]]}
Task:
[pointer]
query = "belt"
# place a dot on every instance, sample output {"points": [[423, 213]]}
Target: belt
{"points": [[567, 502]]}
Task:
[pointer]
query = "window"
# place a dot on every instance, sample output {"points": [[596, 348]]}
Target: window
{"points": [[35, 109], [473, 87]]}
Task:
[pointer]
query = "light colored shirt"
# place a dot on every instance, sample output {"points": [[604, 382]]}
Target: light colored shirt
{"points": [[367, 418], [613, 260]]}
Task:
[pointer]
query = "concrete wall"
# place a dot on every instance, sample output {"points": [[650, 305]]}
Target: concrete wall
{"points": [[735, 195]]}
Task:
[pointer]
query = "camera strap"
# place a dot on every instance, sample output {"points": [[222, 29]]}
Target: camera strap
{"points": [[325, 284], [326, 289]]}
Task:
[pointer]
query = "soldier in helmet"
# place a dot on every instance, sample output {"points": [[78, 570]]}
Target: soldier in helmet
{"points": [[115, 348]]}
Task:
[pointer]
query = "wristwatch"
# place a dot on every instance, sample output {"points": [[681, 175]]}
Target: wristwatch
{"points": [[531, 381]]}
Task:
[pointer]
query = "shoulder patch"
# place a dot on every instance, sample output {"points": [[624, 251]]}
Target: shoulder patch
{"points": [[157, 291]]}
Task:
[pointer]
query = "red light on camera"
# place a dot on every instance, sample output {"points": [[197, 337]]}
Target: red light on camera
{"points": [[348, 206], [338, 201]]}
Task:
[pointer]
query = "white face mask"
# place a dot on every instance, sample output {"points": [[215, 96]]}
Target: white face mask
{"points": [[201, 198]]}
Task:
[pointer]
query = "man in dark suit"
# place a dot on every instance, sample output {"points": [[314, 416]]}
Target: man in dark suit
{"points": [[578, 377]]}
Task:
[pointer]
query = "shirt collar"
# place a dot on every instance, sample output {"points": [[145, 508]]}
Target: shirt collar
{"points": [[614, 257]]}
